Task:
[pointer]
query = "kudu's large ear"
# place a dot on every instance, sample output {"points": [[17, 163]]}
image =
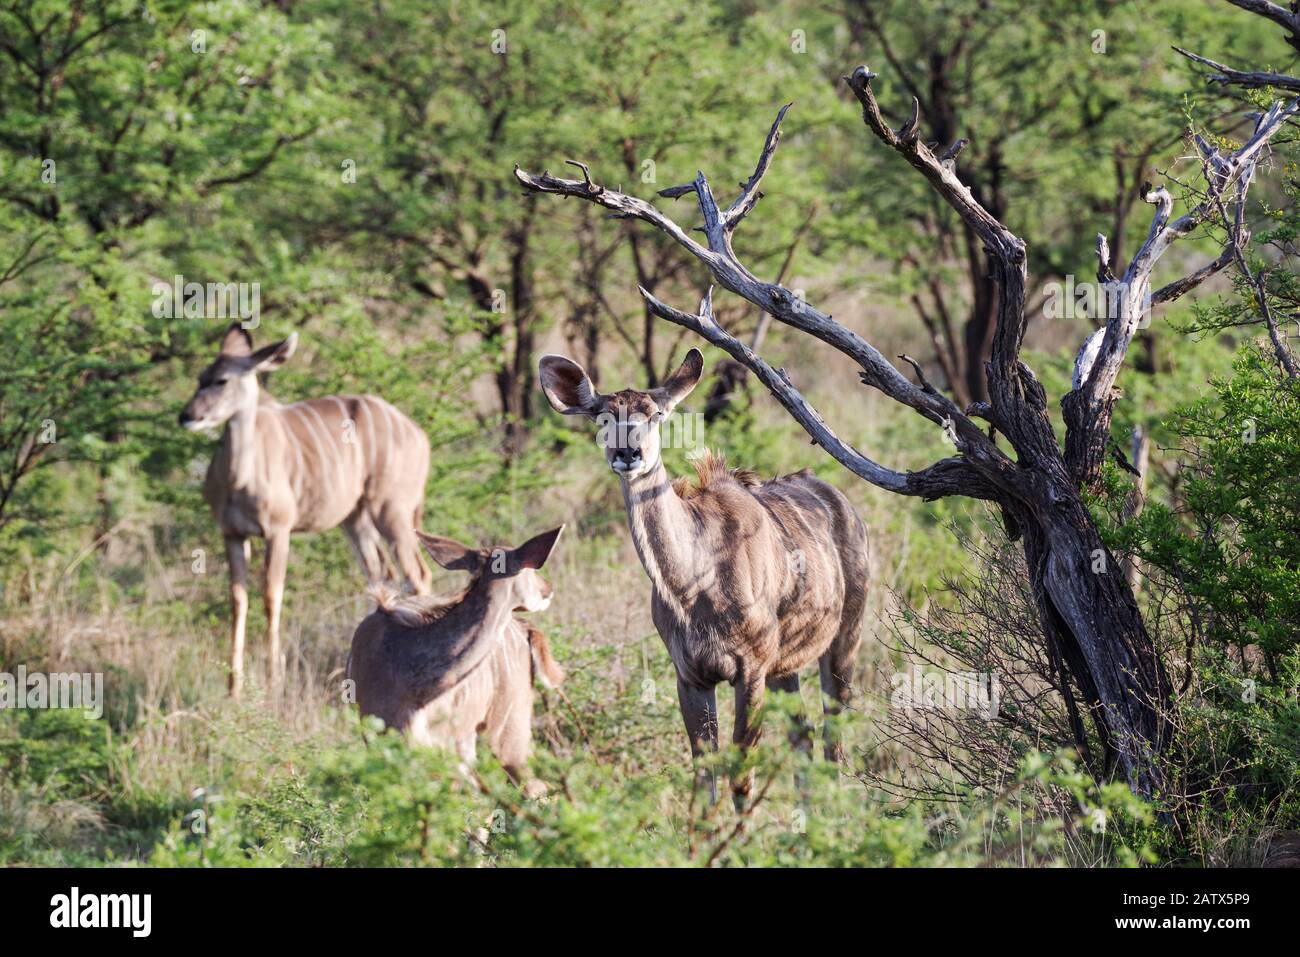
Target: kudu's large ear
{"points": [[449, 553], [567, 386], [679, 385], [237, 342], [272, 357], [534, 552]]}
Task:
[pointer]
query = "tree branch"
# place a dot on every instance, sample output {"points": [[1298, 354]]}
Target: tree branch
{"points": [[947, 477], [1088, 406], [778, 301], [1247, 79], [749, 194], [1265, 8], [1009, 380], [731, 274]]}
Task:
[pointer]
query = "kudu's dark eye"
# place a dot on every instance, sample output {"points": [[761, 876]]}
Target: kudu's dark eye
{"points": [[222, 381]]}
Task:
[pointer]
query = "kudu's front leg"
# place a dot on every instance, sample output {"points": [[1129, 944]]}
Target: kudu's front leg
{"points": [[700, 713], [801, 733], [748, 729], [277, 561], [237, 558]]}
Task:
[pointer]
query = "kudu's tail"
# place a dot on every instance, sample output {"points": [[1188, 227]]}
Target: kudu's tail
{"points": [[546, 670]]}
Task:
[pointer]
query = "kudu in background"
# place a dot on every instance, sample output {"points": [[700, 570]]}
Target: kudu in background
{"points": [[750, 580], [442, 670], [353, 461]]}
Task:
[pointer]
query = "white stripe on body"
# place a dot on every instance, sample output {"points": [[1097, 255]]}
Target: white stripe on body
{"points": [[310, 432]]}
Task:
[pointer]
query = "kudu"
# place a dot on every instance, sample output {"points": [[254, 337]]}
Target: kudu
{"points": [[353, 461], [443, 670], [750, 581]]}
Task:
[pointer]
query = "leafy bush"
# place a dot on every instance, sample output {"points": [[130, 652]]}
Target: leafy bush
{"points": [[383, 803], [1229, 555]]}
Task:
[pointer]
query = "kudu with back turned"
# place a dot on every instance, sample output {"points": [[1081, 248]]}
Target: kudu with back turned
{"points": [[750, 580], [353, 461], [442, 670]]}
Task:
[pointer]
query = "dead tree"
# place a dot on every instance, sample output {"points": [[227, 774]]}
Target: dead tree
{"points": [[1095, 636]]}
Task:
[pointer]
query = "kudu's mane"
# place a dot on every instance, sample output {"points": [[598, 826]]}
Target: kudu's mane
{"points": [[711, 469], [414, 611]]}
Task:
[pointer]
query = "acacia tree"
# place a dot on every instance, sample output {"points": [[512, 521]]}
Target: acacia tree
{"points": [[1095, 635]]}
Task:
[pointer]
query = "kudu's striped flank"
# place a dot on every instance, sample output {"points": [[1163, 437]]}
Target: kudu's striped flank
{"points": [[353, 461]]}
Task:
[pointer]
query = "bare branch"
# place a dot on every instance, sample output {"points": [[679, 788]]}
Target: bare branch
{"points": [[910, 130], [947, 477], [1086, 358], [1031, 435], [1104, 274], [1248, 79], [624, 207], [1185, 284], [920, 375], [996, 236], [949, 156], [1135, 299], [772, 298], [586, 174], [749, 194], [1088, 406], [1255, 280], [1265, 8]]}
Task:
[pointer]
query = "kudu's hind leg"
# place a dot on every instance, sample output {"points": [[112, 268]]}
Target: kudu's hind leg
{"points": [[801, 732], [836, 667], [700, 714], [277, 562], [837, 661], [368, 546], [512, 745], [237, 557], [398, 526]]}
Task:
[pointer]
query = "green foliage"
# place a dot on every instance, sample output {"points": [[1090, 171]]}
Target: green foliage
{"points": [[1232, 542], [243, 789], [374, 804], [1078, 95], [1231, 550], [124, 127], [383, 803], [67, 796]]}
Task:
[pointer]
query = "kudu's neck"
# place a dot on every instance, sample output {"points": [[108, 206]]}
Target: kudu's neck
{"points": [[663, 533], [468, 633], [241, 442]]}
